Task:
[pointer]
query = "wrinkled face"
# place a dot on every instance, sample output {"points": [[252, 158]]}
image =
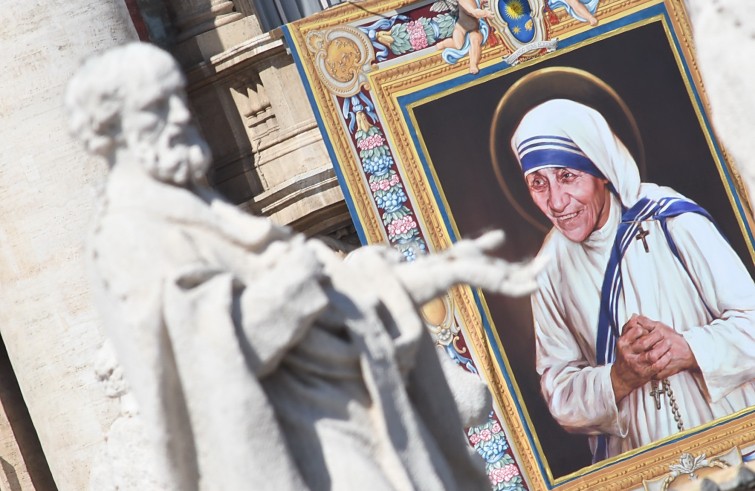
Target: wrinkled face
{"points": [[575, 202], [169, 144]]}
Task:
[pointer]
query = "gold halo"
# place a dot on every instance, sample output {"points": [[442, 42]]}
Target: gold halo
{"points": [[532, 90]]}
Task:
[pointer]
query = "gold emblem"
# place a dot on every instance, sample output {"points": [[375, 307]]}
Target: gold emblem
{"points": [[342, 59], [342, 56]]}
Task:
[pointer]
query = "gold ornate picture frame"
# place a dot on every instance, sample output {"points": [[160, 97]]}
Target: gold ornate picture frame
{"points": [[407, 120]]}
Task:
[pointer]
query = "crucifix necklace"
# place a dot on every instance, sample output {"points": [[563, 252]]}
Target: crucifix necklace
{"points": [[658, 390], [641, 235]]}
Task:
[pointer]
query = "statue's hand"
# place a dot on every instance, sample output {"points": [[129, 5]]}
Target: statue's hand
{"points": [[469, 262], [476, 267], [292, 267]]}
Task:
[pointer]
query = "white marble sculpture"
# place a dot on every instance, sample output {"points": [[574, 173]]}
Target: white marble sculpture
{"points": [[724, 35], [127, 461], [258, 358]]}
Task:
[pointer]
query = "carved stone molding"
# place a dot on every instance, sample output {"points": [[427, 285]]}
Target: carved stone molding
{"points": [[311, 202], [234, 60], [254, 106], [197, 16]]}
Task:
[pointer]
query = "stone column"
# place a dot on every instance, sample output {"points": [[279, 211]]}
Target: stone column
{"points": [[205, 28], [47, 319], [194, 17]]}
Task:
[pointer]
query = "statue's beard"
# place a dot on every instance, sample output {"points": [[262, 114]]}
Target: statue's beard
{"points": [[178, 155]]}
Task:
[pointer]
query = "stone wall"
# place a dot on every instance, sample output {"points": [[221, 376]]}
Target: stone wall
{"points": [[48, 186]]}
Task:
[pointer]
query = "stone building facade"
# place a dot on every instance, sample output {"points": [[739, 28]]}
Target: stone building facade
{"points": [[251, 105]]}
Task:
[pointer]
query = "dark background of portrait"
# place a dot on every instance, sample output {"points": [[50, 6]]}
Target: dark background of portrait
{"points": [[641, 67]]}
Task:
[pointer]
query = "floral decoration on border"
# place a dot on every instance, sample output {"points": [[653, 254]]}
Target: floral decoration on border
{"points": [[379, 166], [401, 34], [491, 443], [416, 29]]}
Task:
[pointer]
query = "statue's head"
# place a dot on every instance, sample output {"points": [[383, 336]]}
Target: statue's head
{"points": [[130, 101]]}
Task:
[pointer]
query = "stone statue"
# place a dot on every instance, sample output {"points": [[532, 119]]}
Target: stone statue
{"points": [[724, 35], [259, 359]]}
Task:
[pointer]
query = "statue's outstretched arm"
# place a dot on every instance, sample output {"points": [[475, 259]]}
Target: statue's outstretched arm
{"points": [[469, 262]]}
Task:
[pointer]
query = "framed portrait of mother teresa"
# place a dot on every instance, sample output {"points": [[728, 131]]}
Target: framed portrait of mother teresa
{"points": [[581, 129]]}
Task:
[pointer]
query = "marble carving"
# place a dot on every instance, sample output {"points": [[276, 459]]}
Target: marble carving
{"points": [[724, 35], [259, 359]]}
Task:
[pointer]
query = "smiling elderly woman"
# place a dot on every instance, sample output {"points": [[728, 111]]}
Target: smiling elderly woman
{"points": [[645, 319]]}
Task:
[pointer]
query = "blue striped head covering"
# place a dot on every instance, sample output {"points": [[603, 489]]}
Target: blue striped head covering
{"points": [[565, 133], [540, 152]]}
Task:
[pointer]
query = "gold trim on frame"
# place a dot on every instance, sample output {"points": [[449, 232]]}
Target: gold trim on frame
{"points": [[424, 69]]}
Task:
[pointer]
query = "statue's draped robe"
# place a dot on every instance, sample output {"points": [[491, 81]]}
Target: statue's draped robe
{"points": [[711, 303], [254, 374]]}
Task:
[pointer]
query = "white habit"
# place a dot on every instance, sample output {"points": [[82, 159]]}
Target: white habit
{"points": [[712, 303]]}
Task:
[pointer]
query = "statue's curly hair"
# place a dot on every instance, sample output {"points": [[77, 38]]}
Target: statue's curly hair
{"points": [[98, 93]]}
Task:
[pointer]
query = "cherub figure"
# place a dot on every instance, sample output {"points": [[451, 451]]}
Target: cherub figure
{"points": [[470, 31], [581, 10], [518, 14]]}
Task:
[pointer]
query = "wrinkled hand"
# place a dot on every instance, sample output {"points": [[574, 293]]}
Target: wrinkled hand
{"points": [[681, 356], [648, 350], [641, 354], [469, 262]]}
